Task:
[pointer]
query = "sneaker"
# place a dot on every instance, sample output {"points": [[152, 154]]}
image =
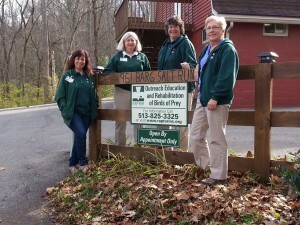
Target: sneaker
{"points": [[73, 169], [83, 168], [211, 181]]}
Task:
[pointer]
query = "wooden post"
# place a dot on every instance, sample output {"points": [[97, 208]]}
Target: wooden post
{"points": [[93, 155], [95, 129], [263, 108]]}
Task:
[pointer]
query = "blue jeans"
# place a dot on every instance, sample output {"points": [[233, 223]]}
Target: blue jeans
{"points": [[79, 126]]}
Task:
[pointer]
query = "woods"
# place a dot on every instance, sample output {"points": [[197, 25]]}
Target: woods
{"points": [[37, 36]]}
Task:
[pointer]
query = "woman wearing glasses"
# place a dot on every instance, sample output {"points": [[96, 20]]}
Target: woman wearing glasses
{"points": [[218, 68]]}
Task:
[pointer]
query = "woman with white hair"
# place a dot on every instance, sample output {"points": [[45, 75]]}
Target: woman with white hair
{"points": [[218, 68], [129, 58]]}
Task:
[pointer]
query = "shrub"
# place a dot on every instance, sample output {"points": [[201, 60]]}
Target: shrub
{"points": [[13, 96], [292, 175], [107, 91]]}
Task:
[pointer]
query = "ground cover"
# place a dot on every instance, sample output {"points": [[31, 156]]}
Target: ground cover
{"points": [[132, 192]]}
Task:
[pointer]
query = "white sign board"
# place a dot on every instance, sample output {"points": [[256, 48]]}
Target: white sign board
{"points": [[159, 104]]}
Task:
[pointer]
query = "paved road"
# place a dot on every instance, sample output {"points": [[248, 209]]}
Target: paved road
{"points": [[33, 153], [34, 150]]}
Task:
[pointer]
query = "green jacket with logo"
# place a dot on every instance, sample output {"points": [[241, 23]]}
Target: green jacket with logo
{"points": [[66, 94], [218, 75], [182, 50], [119, 63]]}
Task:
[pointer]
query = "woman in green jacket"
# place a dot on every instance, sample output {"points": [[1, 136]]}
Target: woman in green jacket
{"points": [[178, 52], [77, 100], [129, 58], [218, 70]]}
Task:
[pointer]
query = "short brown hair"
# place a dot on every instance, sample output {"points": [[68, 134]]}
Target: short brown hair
{"points": [[174, 20]]}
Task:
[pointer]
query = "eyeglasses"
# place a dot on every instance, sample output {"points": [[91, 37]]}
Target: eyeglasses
{"points": [[212, 28]]}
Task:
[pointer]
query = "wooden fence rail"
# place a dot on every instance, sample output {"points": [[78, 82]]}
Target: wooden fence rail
{"points": [[262, 117]]}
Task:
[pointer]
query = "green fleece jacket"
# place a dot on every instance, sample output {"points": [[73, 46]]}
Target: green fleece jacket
{"points": [[120, 63], [218, 75], [173, 53], [66, 94]]}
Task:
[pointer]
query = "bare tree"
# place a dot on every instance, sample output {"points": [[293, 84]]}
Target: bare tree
{"points": [[103, 28], [45, 50], [8, 33], [32, 29], [28, 22]]}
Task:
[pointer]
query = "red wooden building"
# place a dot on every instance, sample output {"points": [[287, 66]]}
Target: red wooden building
{"points": [[254, 26]]}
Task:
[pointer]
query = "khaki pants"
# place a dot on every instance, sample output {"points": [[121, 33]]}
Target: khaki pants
{"points": [[122, 101], [214, 151]]}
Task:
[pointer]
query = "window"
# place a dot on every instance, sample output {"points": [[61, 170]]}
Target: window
{"points": [[204, 38], [274, 29], [177, 9]]}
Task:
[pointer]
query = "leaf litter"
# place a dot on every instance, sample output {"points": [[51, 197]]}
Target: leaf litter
{"points": [[132, 192]]}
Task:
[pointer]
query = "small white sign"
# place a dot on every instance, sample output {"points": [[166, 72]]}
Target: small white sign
{"points": [[159, 104]]}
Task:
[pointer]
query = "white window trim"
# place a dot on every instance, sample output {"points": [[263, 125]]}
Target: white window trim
{"points": [[177, 9], [286, 34], [203, 34]]}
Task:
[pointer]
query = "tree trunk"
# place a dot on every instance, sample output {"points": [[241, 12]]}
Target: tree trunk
{"points": [[45, 51], [53, 75]]}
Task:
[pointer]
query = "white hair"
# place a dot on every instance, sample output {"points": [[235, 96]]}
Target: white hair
{"points": [[219, 19], [128, 34]]}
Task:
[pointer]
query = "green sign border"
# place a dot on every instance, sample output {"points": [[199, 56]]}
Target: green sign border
{"points": [[173, 134], [164, 124]]}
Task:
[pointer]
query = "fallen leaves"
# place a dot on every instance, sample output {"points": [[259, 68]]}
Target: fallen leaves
{"points": [[182, 195], [122, 191]]}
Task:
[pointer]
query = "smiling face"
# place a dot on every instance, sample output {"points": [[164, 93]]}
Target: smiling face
{"points": [[173, 31], [79, 63], [130, 45], [214, 31]]}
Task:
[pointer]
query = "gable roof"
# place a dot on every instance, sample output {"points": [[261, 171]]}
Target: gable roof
{"points": [[280, 10]]}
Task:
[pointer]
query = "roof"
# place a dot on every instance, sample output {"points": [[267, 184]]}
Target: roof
{"points": [[267, 8]]}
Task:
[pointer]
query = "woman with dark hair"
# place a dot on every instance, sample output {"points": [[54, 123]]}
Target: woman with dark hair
{"points": [[178, 52], [77, 100]]}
